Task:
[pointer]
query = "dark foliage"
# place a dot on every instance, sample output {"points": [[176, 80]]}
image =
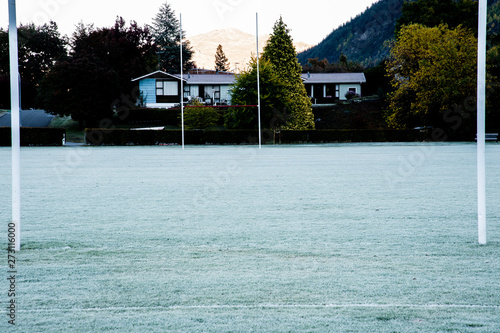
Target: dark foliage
{"points": [[39, 48], [432, 13], [96, 78], [34, 136], [122, 137]]}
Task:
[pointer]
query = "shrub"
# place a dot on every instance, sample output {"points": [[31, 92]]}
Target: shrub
{"points": [[198, 117]]}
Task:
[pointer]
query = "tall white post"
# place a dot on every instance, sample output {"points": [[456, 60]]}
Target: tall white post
{"points": [[258, 77], [15, 126], [481, 123], [182, 85]]}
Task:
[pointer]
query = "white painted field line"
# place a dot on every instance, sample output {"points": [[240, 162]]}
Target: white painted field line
{"points": [[269, 306]]}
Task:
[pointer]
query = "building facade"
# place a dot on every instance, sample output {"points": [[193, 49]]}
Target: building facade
{"points": [[163, 90]]}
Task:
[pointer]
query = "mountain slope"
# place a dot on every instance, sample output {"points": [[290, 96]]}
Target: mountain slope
{"points": [[364, 39]]}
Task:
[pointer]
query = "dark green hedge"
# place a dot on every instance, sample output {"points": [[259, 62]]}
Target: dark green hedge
{"points": [[97, 136], [164, 117], [34, 136]]}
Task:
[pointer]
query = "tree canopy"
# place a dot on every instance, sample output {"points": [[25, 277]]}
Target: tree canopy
{"points": [[96, 77], [432, 13], [433, 70], [244, 92], [281, 54], [165, 30], [39, 48]]}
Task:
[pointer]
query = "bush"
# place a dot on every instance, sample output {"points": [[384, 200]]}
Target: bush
{"points": [[200, 137], [163, 117], [198, 117]]}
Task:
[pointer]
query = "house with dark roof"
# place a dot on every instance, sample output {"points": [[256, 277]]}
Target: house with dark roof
{"points": [[162, 90]]}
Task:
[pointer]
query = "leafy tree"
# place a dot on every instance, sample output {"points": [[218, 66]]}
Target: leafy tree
{"points": [[433, 70], [166, 33], [244, 92], [323, 66], [281, 54], [96, 78], [221, 61], [39, 48]]}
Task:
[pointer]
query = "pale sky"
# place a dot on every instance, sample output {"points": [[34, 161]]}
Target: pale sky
{"points": [[309, 21]]}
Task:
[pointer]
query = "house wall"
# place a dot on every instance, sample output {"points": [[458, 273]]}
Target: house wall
{"points": [[148, 88], [225, 93], [344, 88]]}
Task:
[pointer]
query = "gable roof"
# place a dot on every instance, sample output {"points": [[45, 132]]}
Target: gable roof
{"points": [[192, 78], [157, 75], [334, 78]]}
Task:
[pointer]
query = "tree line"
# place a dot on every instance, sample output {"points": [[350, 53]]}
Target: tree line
{"points": [[428, 76], [88, 75]]}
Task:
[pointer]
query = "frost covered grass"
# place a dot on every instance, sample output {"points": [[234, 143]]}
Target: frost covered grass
{"points": [[339, 238]]}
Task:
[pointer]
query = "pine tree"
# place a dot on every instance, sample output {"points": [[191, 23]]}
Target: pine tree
{"points": [[166, 33], [281, 53], [221, 62]]}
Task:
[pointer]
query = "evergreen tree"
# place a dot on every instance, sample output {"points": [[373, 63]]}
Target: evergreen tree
{"points": [[280, 52], [166, 33], [221, 62]]}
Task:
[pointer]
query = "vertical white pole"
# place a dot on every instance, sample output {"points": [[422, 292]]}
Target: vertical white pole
{"points": [[15, 125], [481, 102], [182, 85], [258, 77]]}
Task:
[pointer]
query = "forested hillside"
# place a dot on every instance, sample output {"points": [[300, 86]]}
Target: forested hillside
{"points": [[366, 38]]}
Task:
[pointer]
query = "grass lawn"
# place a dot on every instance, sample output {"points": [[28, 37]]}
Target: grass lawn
{"points": [[317, 238]]}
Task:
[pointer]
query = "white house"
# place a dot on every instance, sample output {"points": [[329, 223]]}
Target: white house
{"points": [[162, 90], [326, 88]]}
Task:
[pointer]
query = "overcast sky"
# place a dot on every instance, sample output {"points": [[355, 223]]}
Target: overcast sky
{"points": [[309, 21]]}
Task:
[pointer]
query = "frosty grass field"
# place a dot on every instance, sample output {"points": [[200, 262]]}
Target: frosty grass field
{"points": [[327, 238]]}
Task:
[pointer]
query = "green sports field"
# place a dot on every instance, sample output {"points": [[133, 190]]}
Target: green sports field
{"points": [[319, 238]]}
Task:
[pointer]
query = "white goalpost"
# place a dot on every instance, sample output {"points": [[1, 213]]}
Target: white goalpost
{"points": [[258, 76], [481, 123], [15, 130], [182, 84]]}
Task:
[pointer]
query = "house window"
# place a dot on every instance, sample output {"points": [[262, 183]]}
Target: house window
{"points": [[352, 90], [337, 91], [159, 88], [167, 88], [187, 91]]}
